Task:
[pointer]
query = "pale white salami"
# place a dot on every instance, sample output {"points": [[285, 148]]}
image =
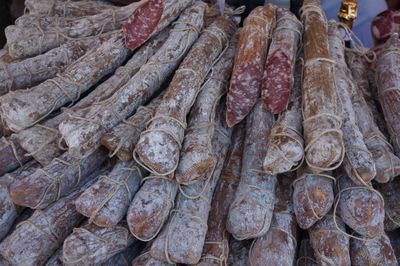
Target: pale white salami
{"points": [[99, 118], [93, 245], [24, 108], [159, 146], [182, 238], [251, 211], [106, 202]]}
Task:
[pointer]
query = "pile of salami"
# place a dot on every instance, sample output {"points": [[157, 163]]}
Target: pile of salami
{"points": [[164, 133]]}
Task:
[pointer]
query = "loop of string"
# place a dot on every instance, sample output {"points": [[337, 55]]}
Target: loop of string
{"points": [[388, 148], [52, 236], [58, 180], [181, 213], [117, 185], [382, 92], [294, 240], [207, 182], [312, 8], [266, 222], [285, 133], [337, 200], [337, 131], [13, 149], [310, 202], [55, 135], [170, 200], [354, 168], [105, 244]]}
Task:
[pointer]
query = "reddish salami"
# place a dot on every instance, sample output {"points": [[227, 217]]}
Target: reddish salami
{"points": [[279, 68], [150, 18], [247, 73], [142, 23]]}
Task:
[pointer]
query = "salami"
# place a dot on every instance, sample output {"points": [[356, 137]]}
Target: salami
{"points": [[377, 251], [31, 71], [358, 161], [247, 74], [182, 238], [391, 199], [387, 79], [363, 77], [279, 67], [159, 146], [24, 108], [216, 245], [151, 206], [285, 149], [102, 117], [386, 163], [8, 210], [321, 109], [37, 238], [106, 202], [278, 246], [12, 155], [92, 245], [121, 139], [66, 8], [45, 33], [42, 140], [196, 157], [251, 211], [330, 245], [360, 207], [48, 184], [312, 196], [150, 18]]}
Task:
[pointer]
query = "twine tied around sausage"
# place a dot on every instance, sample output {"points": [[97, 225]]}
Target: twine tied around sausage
{"points": [[116, 187], [285, 132], [172, 223], [57, 180], [55, 135], [293, 238], [104, 243], [13, 149], [208, 157], [136, 128], [304, 177], [335, 119], [52, 236], [170, 200], [266, 222], [337, 200], [199, 78], [387, 148], [355, 173]]}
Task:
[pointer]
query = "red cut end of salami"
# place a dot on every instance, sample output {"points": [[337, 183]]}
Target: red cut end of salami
{"points": [[243, 92], [277, 82], [142, 23]]}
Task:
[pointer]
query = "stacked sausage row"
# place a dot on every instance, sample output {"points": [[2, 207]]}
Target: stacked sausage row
{"points": [[162, 122]]}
